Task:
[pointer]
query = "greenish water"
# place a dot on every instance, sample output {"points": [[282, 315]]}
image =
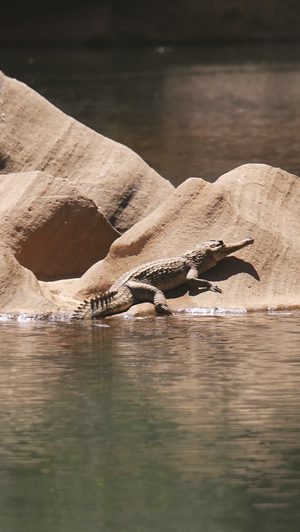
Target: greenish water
{"points": [[181, 423]]}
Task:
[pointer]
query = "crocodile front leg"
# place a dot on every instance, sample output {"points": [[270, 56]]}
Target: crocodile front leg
{"points": [[143, 292], [195, 282]]}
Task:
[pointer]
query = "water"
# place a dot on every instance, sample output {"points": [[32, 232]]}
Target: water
{"points": [[151, 424], [187, 111]]}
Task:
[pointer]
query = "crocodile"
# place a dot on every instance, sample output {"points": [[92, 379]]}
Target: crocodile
{"points": [[148, 282]]}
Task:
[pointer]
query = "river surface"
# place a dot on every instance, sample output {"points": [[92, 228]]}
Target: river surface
{"points": [[175, 423], [165, 424], [187, 111]]}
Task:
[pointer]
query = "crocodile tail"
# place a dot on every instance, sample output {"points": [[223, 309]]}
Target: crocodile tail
{"points": [[93, 304], [103, 299], [82, 310]]}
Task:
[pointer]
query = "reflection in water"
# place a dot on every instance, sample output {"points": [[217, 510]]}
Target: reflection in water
{"points": [[151, 424], [198, 111]]}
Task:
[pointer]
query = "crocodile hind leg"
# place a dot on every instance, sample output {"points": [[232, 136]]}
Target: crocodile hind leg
{"points": [[195, 282], [143, 292]]}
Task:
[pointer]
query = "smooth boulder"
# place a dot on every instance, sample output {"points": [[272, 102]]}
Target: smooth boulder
{"points": [[50, 227], [35, 135], [21, 293], [252, 200]]}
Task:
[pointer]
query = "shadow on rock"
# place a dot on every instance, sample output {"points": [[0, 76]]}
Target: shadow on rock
{"points": [[225, 269], [231, 266]]}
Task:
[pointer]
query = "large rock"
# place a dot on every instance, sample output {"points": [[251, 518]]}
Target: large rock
{"points": [[252, 200], [22, 293], [50, 227], [35, 135]]}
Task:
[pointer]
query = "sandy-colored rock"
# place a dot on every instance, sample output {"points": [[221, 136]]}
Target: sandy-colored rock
{"points": [[252, 200], [35, 135], [50, 227], [22, 293]]}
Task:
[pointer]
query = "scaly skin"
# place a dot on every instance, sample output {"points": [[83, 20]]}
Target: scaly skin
{"points": [[149, 281]]}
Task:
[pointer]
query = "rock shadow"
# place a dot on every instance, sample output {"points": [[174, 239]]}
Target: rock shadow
{"points": [[223, 270], [4, 160]]}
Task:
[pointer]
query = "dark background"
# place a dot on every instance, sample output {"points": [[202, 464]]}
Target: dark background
{"points": [[95, 22]]}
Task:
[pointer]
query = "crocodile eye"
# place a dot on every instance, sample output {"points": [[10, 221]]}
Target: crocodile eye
{"points": [[216, 243]]}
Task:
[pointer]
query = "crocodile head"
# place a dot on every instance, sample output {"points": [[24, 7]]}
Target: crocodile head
{"points": [[211, 252], [220, 250]]}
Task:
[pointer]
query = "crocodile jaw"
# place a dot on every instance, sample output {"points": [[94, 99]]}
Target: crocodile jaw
{"points": [[227, 249]]}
